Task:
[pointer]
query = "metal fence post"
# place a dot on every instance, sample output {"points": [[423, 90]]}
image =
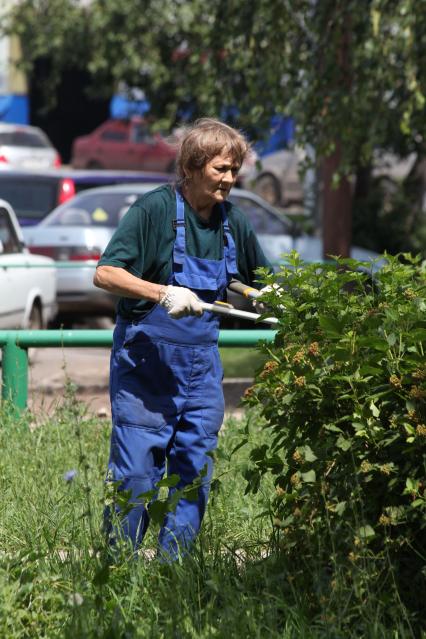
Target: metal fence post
{"points": [[15, 374]]}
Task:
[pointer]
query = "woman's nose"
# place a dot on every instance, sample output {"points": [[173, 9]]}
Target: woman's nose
{"points": [[229, 176]]}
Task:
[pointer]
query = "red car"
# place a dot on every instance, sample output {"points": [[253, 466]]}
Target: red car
{"points": [[124, 144]]}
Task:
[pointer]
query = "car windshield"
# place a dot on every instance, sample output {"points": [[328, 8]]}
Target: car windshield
{"points": [[30, 198], [31, 139], [107, 209], [95, 209], [263, 221]]}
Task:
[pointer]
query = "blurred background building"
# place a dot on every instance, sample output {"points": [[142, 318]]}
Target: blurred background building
{"points": [[14, 105]]}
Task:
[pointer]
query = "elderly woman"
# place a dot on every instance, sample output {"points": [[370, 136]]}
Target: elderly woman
{"points": [[175, 247]]}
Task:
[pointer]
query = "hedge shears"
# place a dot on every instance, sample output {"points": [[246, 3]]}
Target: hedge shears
{"points": [[223, 308]]}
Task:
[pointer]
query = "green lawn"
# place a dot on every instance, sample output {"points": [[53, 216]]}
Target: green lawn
{"points": [[56, 580]]}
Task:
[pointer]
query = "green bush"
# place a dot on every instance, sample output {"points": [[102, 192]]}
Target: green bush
{"points": [[343, 395]]}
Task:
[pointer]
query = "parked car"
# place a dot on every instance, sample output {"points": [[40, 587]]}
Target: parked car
{"points": [[275, 177], [28, 147], [34, 194], [27, 281], [79, 230], [124, 144]]}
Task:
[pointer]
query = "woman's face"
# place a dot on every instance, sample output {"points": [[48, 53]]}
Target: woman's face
{"points": [[211, 185]]}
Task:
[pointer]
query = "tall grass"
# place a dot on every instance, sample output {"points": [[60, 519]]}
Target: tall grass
{"points": [[56, 579]]}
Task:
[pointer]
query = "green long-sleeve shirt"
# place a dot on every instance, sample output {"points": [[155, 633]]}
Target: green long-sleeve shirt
{"points": [[143, 243]]}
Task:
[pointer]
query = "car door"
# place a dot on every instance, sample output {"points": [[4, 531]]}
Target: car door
{"points": [[145, 149], [273, 232], [13, 274], [111, 149]]}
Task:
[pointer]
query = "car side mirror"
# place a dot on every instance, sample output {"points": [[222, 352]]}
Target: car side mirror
{"points": [[1, 247]]}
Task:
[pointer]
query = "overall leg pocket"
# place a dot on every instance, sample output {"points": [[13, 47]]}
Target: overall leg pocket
{"points": [[143, 387], [213, 400]]}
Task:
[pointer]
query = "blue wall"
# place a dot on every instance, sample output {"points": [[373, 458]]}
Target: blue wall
{"points": [[14, 109]]}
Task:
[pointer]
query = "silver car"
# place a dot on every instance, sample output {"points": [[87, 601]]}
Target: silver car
{"points": [[26, 147], [77, 232], [276, 178]]}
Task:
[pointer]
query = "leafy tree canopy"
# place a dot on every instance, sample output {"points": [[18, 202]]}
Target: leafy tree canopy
{"points": [[348, 70]]}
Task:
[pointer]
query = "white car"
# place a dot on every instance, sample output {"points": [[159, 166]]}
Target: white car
{"points": [[27, 282], [26, 147]]}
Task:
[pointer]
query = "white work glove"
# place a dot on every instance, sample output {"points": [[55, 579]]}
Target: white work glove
{"points": [[260, 305], [180, 301]]}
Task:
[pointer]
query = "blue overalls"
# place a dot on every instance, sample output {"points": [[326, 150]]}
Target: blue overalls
{"points": [[166, 395]]}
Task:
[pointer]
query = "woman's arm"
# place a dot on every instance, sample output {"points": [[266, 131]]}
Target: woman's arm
{"points": [[120, 282]]}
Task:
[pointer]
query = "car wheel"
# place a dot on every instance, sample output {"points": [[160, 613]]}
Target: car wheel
{"points": [[93, 164], [267, 186], [35, 323]]}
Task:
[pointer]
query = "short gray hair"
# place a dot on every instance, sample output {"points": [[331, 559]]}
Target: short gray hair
{"points": [[205, 139]]}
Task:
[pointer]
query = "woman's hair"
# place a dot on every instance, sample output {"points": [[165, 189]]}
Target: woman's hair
{"points": [[206, 139]]}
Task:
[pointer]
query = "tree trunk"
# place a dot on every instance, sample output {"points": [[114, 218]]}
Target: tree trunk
{"points": [[336, 209]]}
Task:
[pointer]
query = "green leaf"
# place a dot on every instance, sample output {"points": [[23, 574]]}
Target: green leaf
{"points": [[101, 576], [308, 453], [343, 443], [192, 493], [169, 482], [340, 508], [391, 339], [342, 355], [374, 410], [418, 335], [411, 484], [309, 477], [373, 342], [333, 428], [157, 511], [366, 532], [330, 325], [367, 369], [242, 443]]}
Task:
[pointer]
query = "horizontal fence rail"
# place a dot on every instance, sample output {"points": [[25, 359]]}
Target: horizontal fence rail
{"points": [[15, 344], [54, 264]]}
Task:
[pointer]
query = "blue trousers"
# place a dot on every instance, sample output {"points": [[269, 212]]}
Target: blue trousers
{"points": [[167, 408]]}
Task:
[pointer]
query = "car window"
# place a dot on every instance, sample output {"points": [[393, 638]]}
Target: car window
{"points": [[140, 133], [29, 198], [96, 210], [32, 139], [263, 221], [8, 235], [114, 136]]}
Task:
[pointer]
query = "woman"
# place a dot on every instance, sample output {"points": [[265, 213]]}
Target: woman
{"points": [[176, 247]]}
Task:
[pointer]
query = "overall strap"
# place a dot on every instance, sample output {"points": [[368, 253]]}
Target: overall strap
{"points": [[229, 250], [179, 225]]}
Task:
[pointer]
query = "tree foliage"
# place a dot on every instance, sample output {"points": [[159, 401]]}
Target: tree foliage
{"points": [[346, 70]]}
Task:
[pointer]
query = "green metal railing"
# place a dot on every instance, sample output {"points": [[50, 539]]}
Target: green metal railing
{"points": [[15, 344]]}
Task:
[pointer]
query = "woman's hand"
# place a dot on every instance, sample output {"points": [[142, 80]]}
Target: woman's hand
{"points": [[180, 301]]}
